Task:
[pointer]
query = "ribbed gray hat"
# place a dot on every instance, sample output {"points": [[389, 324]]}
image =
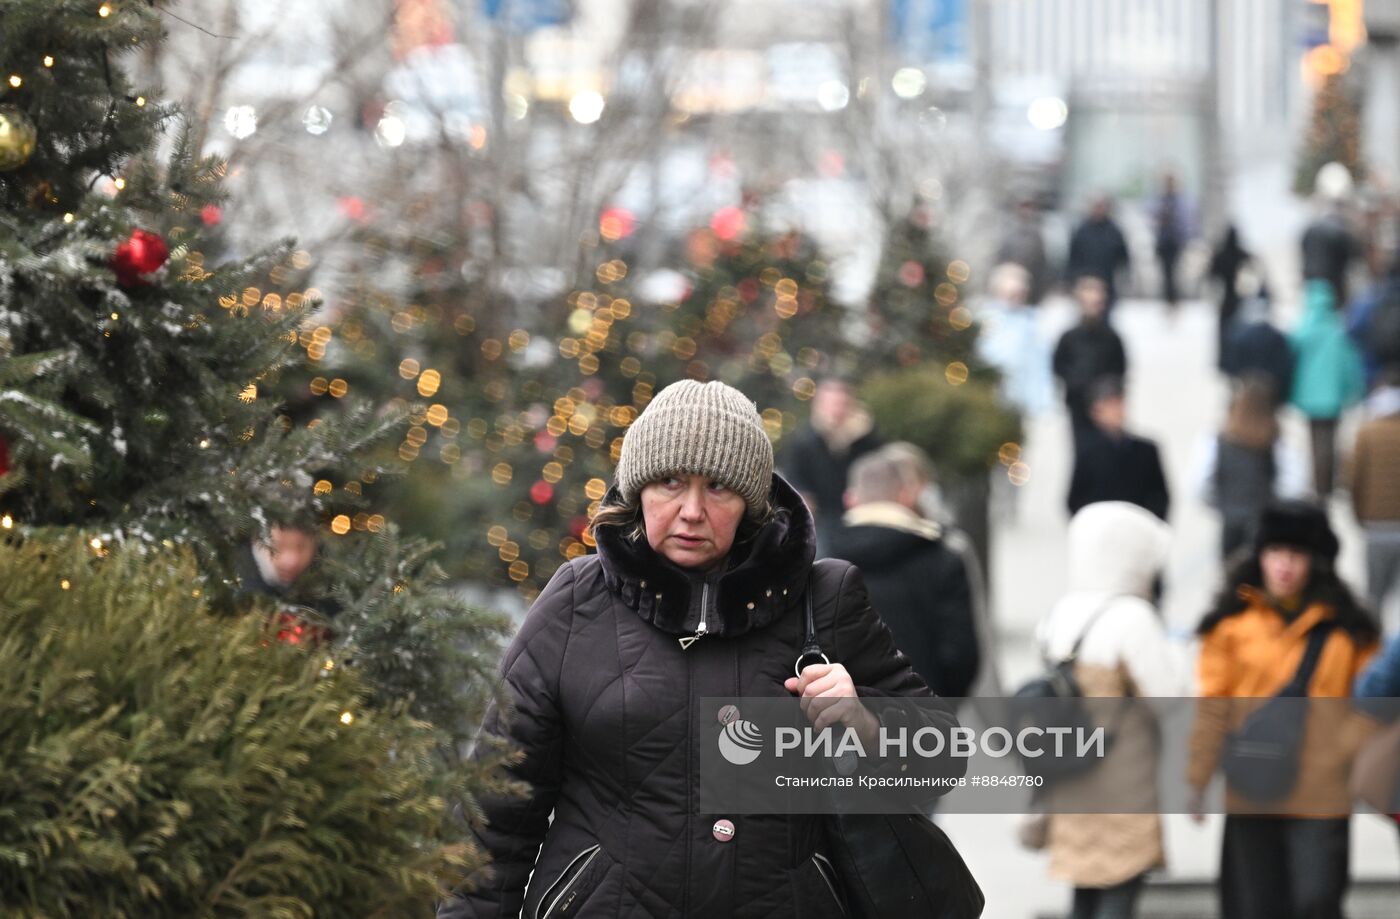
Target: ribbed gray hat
{"points": [[694, 428]]}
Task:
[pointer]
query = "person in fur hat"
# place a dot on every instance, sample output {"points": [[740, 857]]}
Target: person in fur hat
{"points": [[1253, 644]]}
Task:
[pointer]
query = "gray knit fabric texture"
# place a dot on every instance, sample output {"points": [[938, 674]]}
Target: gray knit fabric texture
{"points": [[695, 428]]}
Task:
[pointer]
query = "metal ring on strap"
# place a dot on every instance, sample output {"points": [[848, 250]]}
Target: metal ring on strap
{"points": [[797, 668]]}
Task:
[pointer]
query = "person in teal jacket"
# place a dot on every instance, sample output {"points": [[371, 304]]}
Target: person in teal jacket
{"points": [[1328, 378]]}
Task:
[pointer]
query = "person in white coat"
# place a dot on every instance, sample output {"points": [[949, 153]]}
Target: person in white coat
{"points": [[1116, 551]]}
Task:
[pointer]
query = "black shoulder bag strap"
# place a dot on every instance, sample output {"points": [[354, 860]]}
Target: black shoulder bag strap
{"points": [[1317, 637], [811, 648], [891, 865]]}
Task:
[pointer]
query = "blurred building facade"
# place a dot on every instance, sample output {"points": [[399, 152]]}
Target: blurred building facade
{"points": [[1381, 121]]}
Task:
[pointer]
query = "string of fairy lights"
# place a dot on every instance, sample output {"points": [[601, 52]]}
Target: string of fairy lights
{"points": [[594, 332]]}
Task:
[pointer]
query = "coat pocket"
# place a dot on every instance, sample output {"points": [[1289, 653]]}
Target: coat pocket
{"points": [[822, 896], [565, 895]]}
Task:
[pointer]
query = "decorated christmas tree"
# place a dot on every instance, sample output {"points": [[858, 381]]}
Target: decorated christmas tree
{"points": [[415, 335], [923, 378], [1333, 134], [138, 426], [917, 309], [515, 422], [745, 307]]}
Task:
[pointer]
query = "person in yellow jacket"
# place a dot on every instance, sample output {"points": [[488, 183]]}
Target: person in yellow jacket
{"points": [[1252, 645]]}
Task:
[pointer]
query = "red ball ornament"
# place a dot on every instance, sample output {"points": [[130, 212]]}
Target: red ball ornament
{"points": [[728, 223], [911, 274], [211, 214], [142, 253], [353, 208], [541, 492], [616, 223]]}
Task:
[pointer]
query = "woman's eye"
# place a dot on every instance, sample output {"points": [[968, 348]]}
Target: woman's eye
{"points": [[718, 488]]}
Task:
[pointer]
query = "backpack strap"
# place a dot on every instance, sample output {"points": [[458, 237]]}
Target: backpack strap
{"points": [[1083, 634]]}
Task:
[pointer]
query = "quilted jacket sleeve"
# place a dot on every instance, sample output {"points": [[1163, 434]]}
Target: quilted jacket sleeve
{"points": [[863, 643], [516, 827]]}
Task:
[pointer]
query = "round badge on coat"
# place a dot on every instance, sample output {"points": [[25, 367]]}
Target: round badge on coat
{"points": [[723, 830]]}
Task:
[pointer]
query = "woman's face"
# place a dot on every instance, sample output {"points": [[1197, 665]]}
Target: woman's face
{"points": [[691, 520], [1286, 570]]}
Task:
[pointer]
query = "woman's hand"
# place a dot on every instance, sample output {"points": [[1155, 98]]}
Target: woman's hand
{"points": [[828, 697]]}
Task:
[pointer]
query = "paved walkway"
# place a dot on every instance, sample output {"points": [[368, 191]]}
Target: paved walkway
{"points": [[1175, 397]]}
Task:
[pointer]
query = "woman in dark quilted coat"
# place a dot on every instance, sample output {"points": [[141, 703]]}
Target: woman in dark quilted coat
{"points": [[696, 591]]}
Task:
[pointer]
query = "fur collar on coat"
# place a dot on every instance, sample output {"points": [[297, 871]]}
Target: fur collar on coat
{"points": [[764, 577]]}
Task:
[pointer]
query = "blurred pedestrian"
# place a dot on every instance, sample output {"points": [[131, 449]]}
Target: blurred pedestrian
{"points": [[917, 583], [1024, 244], [1247, 465], [1098, 249], [279, 566], [1373, 321], [1112, 464], [1116, 552], [1009, 340], [1381, 680], [1327, 379], [1252, 645], [1226, 263], [1088, 352], [1172, 230], [1373, 478], [1255, 346], [818, 457], [1328, 246]]}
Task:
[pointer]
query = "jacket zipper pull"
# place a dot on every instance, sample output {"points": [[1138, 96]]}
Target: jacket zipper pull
{"points": [[689, 640]]}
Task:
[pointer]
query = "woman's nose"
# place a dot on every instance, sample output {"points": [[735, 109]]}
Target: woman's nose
{"points": [[693, 506]]}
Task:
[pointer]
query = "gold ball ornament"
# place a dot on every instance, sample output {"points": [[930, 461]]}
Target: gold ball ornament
{"points": [[18, 137]]}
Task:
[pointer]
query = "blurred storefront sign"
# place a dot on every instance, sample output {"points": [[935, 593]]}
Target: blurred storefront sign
{"points": [[528, 15], [930, 30]]}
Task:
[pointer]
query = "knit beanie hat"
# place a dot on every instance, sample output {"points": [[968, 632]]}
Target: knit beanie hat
{"points": [[1300, 525], [694, 428]]}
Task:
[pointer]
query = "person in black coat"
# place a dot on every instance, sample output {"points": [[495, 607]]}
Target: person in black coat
{"points": [[1087, 353], [1254, 346], [817, 458], [1172, 225], [1113, 465], [1098, 249], [1226, 263], [918, 583], [698, 591], [1328, 246]]}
